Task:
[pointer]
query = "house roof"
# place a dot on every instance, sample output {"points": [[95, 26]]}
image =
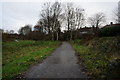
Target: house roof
{"points": [[86, 28], [110, 25]]}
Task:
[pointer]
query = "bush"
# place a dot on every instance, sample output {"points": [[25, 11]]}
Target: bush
{"points": [[100, 57], [113, 70], [110, 31]]}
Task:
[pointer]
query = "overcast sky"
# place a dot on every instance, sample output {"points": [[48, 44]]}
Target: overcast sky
{"points": [[16, 13]]}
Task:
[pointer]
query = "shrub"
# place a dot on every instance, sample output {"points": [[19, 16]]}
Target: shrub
{"points": [[100, 57], [113, 70], [110, 31]]}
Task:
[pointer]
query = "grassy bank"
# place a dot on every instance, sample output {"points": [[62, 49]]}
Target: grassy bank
{"points": [[18, 56], [100, 56]]}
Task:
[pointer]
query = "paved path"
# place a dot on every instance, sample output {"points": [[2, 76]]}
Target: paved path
{"points": [[61, 64]]}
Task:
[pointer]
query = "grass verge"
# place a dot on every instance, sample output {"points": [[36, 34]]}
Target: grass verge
{"points": [[100, 57], [18, 56]]}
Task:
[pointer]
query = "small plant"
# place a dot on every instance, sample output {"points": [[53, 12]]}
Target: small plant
{"points": [[100, 57], [113, 69]]}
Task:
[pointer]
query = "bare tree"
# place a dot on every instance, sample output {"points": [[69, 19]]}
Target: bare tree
{"points": [[25, 30], [56, 15], [68, 11], [79, 19], [72, 22], [46, 15], [69, 18], [117, 13], [74, 18], [97, 19], [50, 18]]}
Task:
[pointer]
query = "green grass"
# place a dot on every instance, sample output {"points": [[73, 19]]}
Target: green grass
{"points": [[18, 56], [96, 56]]}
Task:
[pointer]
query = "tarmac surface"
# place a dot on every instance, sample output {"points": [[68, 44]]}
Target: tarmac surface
{"points": [[63, 63]]}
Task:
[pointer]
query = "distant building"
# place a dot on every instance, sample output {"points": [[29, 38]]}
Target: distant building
{"points": [[87, 30], [111, 25]]}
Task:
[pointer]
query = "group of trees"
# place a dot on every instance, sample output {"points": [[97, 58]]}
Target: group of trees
{"points": [[56, 16], [74, 19], [7, 31], [53, 16], [97, 19]]}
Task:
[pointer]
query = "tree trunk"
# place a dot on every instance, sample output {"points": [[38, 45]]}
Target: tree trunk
{"points": [[52, 36], [52, 33], [68, 36], [57, 35], [76, 34], [71, 35], [68, 25]]}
